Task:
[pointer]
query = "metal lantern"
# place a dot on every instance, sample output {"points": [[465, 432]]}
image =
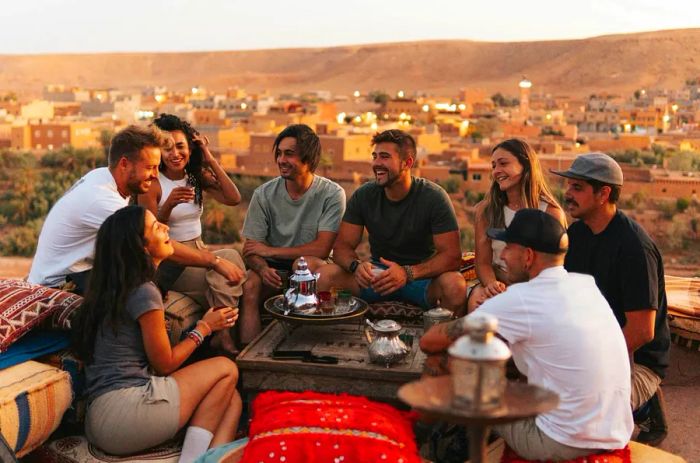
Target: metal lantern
{"points": [[478, 365]]}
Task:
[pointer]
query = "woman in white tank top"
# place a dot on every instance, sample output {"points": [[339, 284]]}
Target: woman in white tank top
{"points": [[187, 170], [518, 183]]}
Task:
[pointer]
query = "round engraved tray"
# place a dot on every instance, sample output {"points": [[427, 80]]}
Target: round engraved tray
{"points": [[275, 307]]}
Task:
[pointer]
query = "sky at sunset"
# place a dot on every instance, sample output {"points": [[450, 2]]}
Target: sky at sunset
{"points": [[75, 26]]}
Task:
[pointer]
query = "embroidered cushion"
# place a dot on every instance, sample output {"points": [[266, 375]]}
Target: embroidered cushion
{"points": [[308, 427], [24, 305], [395, 310]]}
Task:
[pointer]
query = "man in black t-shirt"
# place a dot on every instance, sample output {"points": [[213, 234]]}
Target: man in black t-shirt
{"points": [[628, 269], [412, 230]]}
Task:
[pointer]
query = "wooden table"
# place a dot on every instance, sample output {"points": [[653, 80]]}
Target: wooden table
{"points": [[354, 374], [433, 398]]}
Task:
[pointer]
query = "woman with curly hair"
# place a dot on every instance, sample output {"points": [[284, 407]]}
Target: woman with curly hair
{"points": [[518, 183], [139, 395], [188, 170]]}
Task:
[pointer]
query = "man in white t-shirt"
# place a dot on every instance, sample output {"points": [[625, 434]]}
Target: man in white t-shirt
{"points": [[67, 240], [564, 337], [296, 214]]}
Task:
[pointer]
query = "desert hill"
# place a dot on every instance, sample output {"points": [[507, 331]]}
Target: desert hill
{"points": [[616, 63]]}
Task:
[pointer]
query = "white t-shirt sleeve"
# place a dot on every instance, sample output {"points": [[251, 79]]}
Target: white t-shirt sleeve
{"points": [[98, 211], [513, 316]]}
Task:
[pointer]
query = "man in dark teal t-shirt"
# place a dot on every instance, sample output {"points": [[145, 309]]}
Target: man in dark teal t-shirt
{"points": [[413, 235]]}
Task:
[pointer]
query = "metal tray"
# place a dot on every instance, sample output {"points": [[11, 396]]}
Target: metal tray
{"points": [[275, 307]]}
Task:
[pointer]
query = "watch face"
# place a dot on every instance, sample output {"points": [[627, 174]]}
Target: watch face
{"points": [[353, 266]]}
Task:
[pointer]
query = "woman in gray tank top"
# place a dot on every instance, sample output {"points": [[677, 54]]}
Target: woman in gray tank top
{"points": [[517, 183], [139, 394]]}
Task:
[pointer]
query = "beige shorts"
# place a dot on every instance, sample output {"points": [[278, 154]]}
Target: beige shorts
{"points": [[132, 419], [644, 384], [528, 441]]}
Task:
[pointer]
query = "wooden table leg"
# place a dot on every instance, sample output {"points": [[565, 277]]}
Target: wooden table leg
{"points": [[477, 443]]}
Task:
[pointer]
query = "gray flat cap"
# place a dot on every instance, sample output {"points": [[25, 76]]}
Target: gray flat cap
{"points": [[593, 166]]}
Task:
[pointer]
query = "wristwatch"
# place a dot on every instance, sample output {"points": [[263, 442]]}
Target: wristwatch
{"points": [[353, 265], [409, 273], [217, 259]]}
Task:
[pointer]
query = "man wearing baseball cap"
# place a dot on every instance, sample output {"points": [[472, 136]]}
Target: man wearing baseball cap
{"points": [[564, 337], [628, 269]]}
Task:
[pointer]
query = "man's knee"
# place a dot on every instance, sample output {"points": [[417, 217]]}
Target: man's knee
{"points": [[314, 263], [452, 289], [231, 255], [329, 273]]}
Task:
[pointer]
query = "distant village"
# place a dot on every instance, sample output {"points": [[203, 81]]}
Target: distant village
{"points": [[454, 132]]}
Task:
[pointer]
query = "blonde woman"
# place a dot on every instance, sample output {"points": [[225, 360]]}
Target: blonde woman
{"points": [[518, 183]]}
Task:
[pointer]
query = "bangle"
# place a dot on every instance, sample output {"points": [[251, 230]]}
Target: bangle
{"points": [[409, 273], [196, 336], [209, 330]]}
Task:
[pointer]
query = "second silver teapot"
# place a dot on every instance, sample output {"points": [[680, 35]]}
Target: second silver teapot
{"points": [[385, 346]]}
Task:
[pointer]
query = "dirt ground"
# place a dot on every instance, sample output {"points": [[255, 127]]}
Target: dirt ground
{"points": [[14, 267], [682, 392]]}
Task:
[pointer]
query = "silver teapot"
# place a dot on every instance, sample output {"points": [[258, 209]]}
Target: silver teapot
{"points": [[301, 296], [385, 346]]}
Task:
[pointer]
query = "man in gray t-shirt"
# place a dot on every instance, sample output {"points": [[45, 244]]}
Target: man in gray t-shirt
{"points": [[296, 214]]}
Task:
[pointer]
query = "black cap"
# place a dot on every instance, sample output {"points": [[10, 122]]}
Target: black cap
{"points": [[534, 229]]}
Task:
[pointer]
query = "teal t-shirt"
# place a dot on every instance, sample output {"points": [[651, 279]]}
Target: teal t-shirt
{"points": [[402, 231], [280, 221]]}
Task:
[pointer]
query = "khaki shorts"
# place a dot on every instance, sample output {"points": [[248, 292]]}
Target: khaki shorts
{"points": [[644, 385], [132, 419], [528, 441]]}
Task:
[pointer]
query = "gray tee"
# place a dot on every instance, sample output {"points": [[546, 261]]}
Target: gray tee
{"points": [[280, 221], [120, 359]]}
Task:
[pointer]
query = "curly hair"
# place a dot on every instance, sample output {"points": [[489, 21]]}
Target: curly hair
{"points": [[193, 169]]}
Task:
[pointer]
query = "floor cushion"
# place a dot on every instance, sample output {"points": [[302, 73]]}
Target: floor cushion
{"points": [[308, 427], [34, 345], [68, 362], [227, 453], [33, 399], [24, 305], [396, 310], [77, 449]]}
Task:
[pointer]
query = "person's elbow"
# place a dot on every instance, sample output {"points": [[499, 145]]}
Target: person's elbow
{"points": [[162, 367], [647, 335], [235, 201], [453, 260]]}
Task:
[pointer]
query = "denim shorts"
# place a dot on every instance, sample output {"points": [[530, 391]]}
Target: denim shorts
{"points": [[414, 292]]}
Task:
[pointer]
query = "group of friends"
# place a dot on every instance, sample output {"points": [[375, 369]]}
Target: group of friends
{"points": [[583, 309]]}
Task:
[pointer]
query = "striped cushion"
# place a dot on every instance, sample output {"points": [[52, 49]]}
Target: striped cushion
{"points": [[24, 305], [33, 399]]}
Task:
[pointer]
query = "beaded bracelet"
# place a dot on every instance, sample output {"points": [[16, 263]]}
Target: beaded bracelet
{"points": [[196, 336]]}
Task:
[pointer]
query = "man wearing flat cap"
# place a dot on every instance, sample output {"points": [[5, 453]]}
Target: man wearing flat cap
{"points": [[628, 269], [564, 337]]}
